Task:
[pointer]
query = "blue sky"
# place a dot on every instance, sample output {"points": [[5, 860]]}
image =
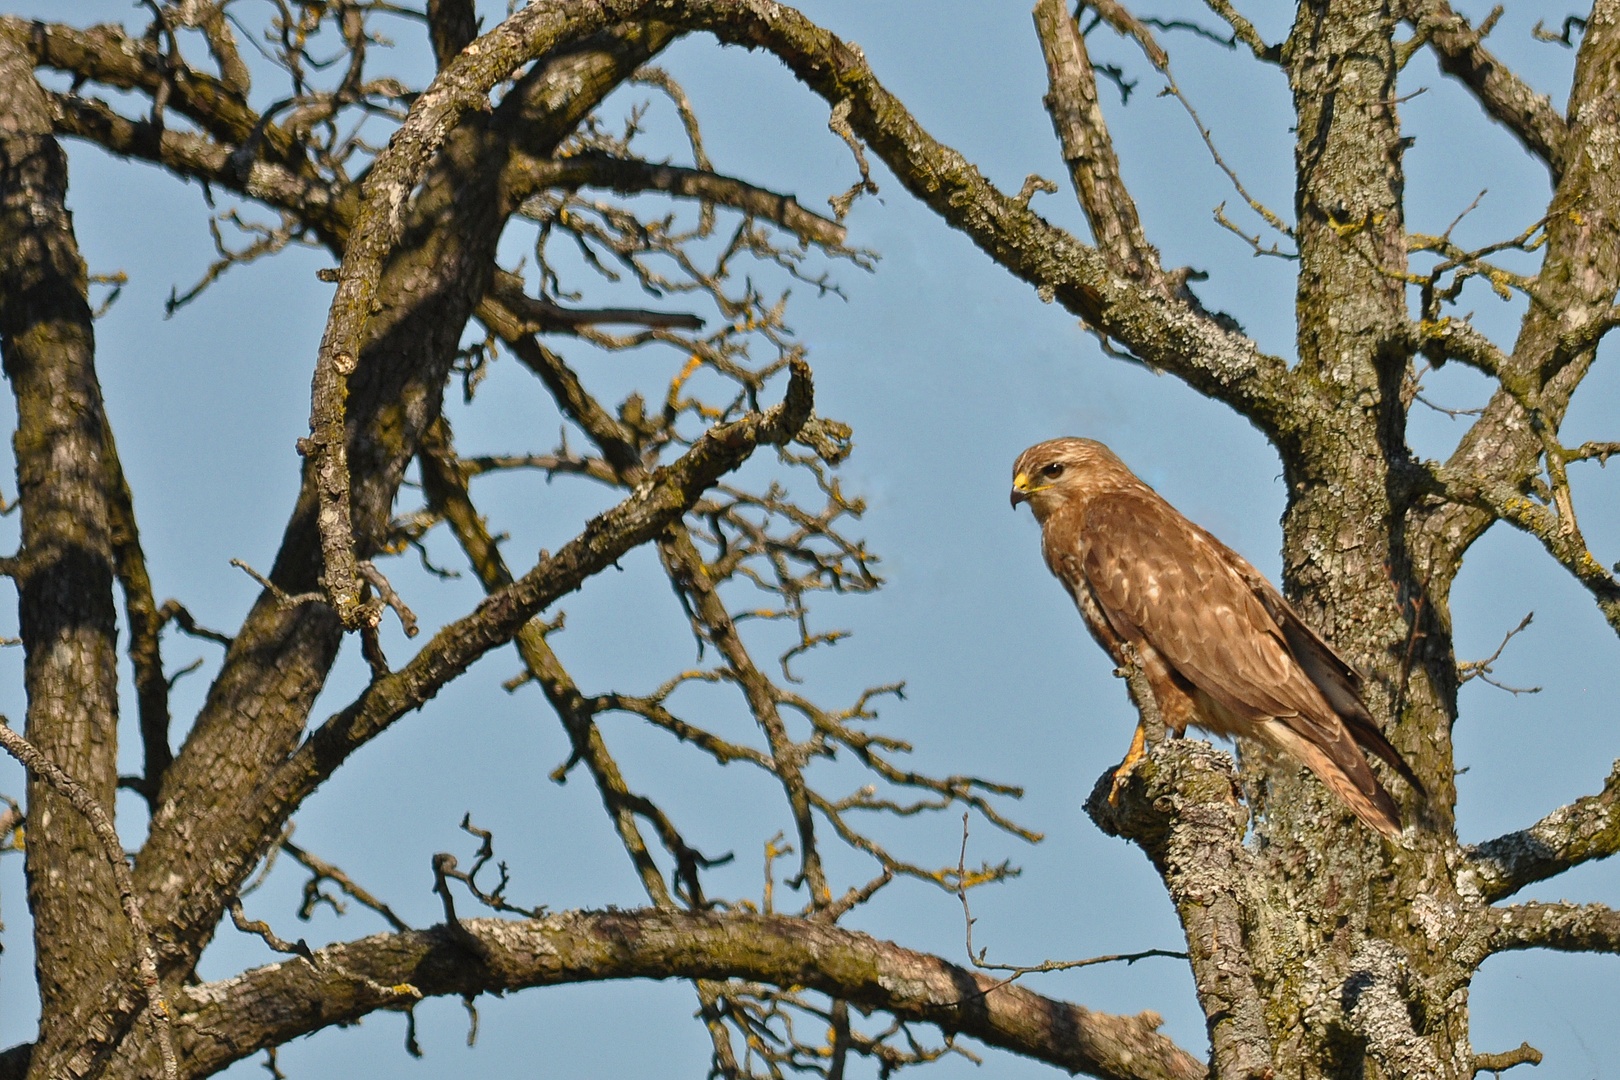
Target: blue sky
{"points": [[946, 367]]}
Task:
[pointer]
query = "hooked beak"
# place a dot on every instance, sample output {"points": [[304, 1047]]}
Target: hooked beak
{"points": [[1020, 489]]}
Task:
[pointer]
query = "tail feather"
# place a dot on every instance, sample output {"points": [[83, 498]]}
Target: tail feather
{"points": [[1347, 775], [1365, 732]]}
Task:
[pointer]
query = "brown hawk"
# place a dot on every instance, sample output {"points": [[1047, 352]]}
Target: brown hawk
{"points": [[1219, 645]]}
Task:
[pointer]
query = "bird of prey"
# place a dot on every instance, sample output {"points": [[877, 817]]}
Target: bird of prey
{"points": [[1219, 646]]}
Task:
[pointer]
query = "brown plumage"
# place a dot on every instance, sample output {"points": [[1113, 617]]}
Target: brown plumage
{"points": [[1219, 645]]}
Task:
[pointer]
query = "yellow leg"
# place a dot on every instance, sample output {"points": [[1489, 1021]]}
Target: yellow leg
{"points": [[1136, 753]]}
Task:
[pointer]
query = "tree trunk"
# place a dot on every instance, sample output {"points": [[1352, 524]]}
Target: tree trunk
{"points": [[64, 571]]}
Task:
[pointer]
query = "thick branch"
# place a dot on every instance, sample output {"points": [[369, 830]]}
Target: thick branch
{"points": [[280, 657], [107, 1029], [295, 997], [1564, 927], [64, 574], [325, 207], [107, 55], [1087, 149], [1574, 293], [1505, 97], [1556, 531], [1169, 334], [462, 86], [1588, 828], [1523, 1054]]}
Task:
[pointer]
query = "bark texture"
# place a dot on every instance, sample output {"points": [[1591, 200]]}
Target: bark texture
{"points": [[64, 571]]}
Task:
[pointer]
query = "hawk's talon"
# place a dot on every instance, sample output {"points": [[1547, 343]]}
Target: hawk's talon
{"points": [[1136, 753]]}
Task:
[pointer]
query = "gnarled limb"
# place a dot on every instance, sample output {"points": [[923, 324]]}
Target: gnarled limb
{"points": [[1508, 100], [666, 494], [1500, 454], [279, 658], [1587, 829], [461, 86], [296, 997], [1171, 335], [1556, 529]]}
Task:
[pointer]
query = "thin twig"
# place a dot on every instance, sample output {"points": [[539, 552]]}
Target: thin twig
{"points": [[407, 618], [261, 929], [284, 598], [964, 882], [321, 870], [1481, 669]]}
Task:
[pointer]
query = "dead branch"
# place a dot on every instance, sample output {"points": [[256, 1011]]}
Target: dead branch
{"points": [[1077, 118], [1524, 1054], [629, 176], [965, 881], [321, 870], [1243, 30], [1481, 669], [1170, 334], [261, 929], [1556, 531], [657, 502], [174, 611]]}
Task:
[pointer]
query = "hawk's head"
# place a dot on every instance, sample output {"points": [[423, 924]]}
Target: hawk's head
{"points": [[1049, 474]]}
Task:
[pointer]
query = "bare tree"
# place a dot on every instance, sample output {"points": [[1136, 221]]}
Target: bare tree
{"points": [[1317, 948]]}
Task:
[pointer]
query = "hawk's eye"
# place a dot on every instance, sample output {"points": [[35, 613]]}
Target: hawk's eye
{"points": [[1053, 471]]}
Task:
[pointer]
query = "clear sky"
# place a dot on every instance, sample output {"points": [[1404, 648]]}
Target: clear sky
{"points": [[946, 367]]}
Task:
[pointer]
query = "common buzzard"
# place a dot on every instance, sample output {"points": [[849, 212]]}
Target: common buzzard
{"points": [[1219, 645]]}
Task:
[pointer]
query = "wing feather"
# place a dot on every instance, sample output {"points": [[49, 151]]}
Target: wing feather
{"points": [[1159, 579], [1338, 682]]}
